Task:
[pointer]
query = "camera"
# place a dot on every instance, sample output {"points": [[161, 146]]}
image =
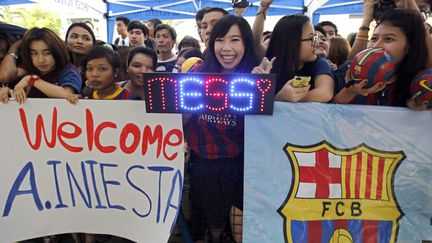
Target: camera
{"points": [[382, 6], [240, 4]]}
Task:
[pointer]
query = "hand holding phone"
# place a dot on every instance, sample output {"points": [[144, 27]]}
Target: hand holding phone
{"points": [[300, 81]]}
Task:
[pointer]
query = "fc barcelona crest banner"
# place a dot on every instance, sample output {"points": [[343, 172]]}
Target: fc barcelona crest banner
{"points": [[338, 173]]}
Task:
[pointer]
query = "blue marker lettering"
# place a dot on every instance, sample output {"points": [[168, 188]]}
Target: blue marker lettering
{"points": [[138, 189], [106, 183], [27, 169]]}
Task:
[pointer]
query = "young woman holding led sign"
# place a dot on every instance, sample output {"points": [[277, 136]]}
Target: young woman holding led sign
{"points": [[217, 141]]}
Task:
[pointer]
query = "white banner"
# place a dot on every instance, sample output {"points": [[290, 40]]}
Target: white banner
{"points": [[338, 173], [102, 167]]}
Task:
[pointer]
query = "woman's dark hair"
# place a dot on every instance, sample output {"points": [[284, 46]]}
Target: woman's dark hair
{"points": [[351, 38], [84, 26], [339, 50], [267, 35], [100, 52], [52, 40], [285, 45], [145, 51], [412, 26], [200, 13], [188, 41], [192, 52], [155, 22], [249, 60], [320, 29]]}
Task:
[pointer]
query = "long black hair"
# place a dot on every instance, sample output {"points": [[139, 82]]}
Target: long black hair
{"points": [[285, 45], [412, 26], [223, 25]]}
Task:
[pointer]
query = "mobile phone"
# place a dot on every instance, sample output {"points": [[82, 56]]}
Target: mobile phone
{"points": [[240, 3], [301, 81]]}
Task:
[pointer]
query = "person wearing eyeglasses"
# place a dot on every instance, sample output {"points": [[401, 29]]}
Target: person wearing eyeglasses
{"points": [[369, 6], [293, 46]]}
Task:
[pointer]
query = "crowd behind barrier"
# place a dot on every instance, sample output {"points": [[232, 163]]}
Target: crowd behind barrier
{"points": [[312, 64]]}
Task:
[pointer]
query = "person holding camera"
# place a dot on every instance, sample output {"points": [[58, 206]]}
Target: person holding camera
{"points": [[393, 33], [372, 9], [258, 27]]}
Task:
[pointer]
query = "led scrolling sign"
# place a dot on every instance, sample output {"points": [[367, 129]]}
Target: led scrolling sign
{"points": [[209, 93]]}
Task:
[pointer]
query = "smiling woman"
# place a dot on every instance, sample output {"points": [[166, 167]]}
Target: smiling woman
{"points": [[293, 44], [217, 141]]}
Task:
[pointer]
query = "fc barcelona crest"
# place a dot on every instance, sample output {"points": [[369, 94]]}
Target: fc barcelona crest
{"points": [[341, 195]]}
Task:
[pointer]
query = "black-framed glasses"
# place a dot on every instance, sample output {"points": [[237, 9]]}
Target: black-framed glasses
{"points": [[312, 39], [425, 14]]}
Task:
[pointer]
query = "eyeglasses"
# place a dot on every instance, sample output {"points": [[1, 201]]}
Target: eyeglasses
{"points": [[425, 14], [312, 39]]}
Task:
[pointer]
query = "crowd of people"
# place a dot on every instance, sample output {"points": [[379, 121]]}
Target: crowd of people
{"points": [[37, 63]]}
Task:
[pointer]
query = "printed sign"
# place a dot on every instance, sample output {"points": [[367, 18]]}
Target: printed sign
{"points": [[209, 93], [101, 167], [338, 173]]}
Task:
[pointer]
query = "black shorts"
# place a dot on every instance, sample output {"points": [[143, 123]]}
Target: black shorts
{"points": [[215, 186]]}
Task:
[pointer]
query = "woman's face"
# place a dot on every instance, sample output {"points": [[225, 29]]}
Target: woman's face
{"points": [[230, 49], [99, 73], [322, 45], [79, 41], [41, 56], [392, 39], [307, 45], [139, 65]]}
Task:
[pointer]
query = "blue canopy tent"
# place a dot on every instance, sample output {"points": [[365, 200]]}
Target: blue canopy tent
{"points": [[186, 9]]}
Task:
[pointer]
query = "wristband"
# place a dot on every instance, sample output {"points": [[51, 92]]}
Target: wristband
{"points": [[32, 80], [14, 55]]}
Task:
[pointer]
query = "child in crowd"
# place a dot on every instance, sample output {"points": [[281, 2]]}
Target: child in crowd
{"points": [[188, 42], [140, 60], [395, 34], [49, 71], [101, 65], [217, 147]]}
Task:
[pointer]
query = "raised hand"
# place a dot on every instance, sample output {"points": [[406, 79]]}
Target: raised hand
{"points": [[265, 67]]}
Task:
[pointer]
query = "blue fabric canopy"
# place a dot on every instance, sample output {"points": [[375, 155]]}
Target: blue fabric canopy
{"points": [[186, 9]]}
